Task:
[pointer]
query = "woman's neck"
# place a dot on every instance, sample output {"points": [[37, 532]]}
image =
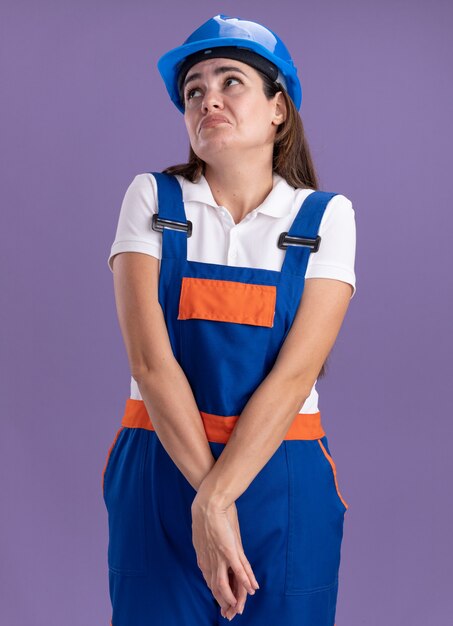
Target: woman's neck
{"points": [[240, 189]]}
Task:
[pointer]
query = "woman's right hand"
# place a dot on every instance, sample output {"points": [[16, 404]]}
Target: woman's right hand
{"points": [[218, 546], [240, 592]]}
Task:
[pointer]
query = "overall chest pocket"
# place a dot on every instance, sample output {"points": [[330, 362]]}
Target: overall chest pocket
{"points": [[227, 301]]}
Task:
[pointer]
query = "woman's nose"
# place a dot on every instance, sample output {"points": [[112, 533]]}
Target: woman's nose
{"points": [[211, 99]]}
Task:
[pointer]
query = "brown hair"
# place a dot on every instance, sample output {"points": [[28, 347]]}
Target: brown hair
{"points": [[291, 157]]}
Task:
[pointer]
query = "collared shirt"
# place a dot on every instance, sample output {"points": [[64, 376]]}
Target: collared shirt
{"points": [[216, 238]]}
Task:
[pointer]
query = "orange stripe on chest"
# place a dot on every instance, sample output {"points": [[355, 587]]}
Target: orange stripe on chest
{"points": [[227, 301]]}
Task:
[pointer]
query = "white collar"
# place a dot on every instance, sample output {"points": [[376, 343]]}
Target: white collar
{"points": [[279, 201]]}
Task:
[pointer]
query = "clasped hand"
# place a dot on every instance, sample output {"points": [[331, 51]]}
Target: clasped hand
{"points": [[220, 556]]}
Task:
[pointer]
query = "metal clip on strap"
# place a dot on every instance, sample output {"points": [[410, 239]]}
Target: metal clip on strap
{"points": [[159, 223], [285, 240]]}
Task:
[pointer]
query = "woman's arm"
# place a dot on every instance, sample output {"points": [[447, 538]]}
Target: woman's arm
{"points": [[168, 397], [271, 409], [163, 385]]}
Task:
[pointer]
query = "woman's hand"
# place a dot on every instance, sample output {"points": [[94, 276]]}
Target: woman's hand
{"points": [[220, 555], [239, 591]]}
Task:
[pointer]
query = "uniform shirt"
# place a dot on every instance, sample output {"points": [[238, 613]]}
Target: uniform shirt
{"points": [[250, 243]]}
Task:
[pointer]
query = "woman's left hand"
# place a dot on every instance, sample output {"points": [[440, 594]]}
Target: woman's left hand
{"points": [[218, 549]]}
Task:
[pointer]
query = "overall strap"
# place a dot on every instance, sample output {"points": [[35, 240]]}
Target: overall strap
{"points": [[171, 218], [302, 239]]}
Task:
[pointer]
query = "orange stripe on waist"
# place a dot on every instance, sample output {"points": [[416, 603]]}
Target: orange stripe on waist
{"points": [[218, 428]]}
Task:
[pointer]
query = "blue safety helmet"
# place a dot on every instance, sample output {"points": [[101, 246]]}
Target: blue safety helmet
{"points": [[231, 37]]}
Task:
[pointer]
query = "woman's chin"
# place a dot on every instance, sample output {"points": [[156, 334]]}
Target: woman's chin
{"points": [[216, 148]]}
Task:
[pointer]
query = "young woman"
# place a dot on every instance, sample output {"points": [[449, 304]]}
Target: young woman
{"points": [[232, 277]]}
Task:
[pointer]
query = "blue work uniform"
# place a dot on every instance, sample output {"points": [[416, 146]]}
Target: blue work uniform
{"points": [[226, 325]]}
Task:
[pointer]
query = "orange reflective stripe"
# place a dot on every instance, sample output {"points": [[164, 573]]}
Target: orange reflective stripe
{"points": [[218, 428], [108, 456], [332, 463], [227, 301]]}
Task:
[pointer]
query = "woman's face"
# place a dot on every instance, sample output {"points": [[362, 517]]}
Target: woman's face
{"points": [[226, 109]]}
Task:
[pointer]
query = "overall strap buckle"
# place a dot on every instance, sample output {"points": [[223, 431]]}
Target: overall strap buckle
{"points": [[159, 223], [286, 240]]}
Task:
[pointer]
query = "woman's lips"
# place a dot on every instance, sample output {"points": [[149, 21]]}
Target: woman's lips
{"points": [[213, 121]]}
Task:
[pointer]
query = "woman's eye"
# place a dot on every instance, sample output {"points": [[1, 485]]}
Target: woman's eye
{"points": [[232, 78], [190, 92]]}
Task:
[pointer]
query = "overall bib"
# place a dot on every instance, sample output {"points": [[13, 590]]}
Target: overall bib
{"points": [[226, 326]]}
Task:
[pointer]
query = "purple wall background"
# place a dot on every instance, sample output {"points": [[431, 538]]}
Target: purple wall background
{"points": [[83, 111]]}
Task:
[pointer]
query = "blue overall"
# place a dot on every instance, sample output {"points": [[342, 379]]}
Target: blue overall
{"points": [[291, 515]]}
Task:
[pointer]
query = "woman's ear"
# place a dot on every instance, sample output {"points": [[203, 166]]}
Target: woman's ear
{"points": [[280, 110]]}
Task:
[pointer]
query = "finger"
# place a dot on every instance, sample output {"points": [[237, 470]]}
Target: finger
{"points": [[240, 593], [248, 570], [224, 605], [222, 586], [211, 581], [242, 598], [242, 575], [218, 596], [235, 586], [245, 562]]}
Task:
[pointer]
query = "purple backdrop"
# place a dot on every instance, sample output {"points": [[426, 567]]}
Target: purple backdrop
{"points": [[83, 111]]}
